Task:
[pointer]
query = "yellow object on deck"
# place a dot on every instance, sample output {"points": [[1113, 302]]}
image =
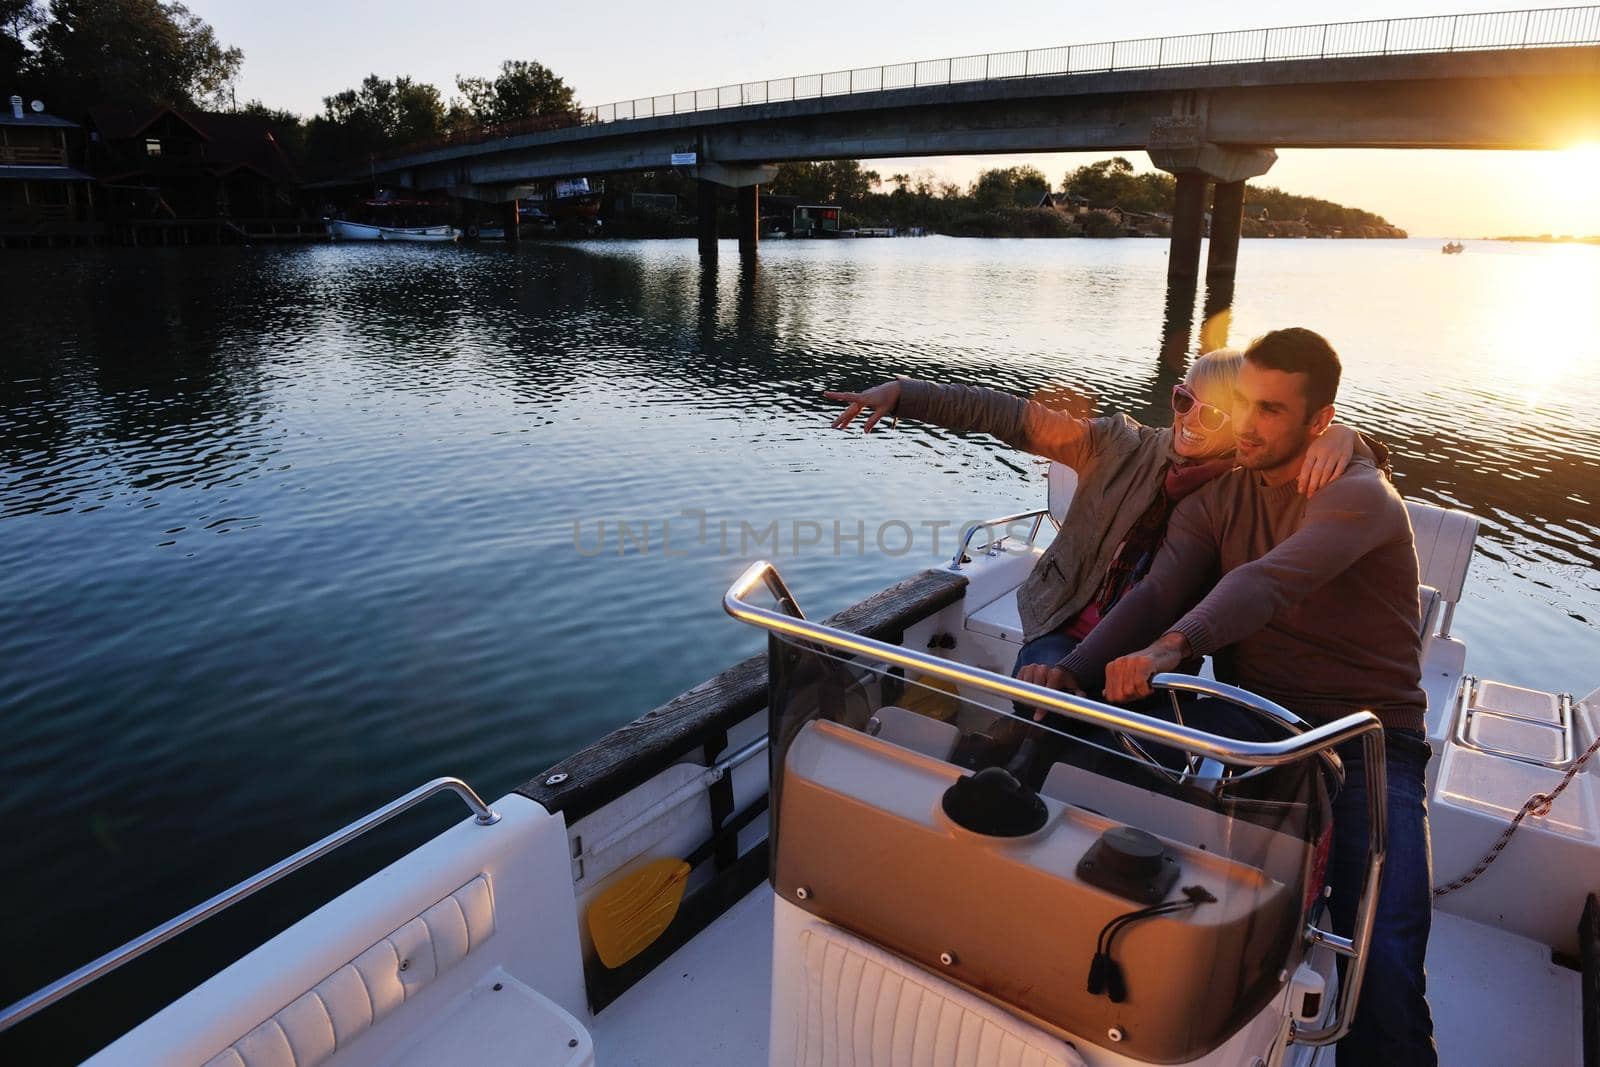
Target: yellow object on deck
{"points": [[626, 918], [934, 697]]}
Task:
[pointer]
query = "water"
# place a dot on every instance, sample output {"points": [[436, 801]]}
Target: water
{"points": [[287, 532]]}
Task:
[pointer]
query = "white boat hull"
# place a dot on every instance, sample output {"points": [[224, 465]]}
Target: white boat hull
{"points": [[344, 230]]}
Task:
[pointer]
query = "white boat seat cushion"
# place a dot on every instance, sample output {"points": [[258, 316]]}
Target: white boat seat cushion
{"points": [[359, 995]]}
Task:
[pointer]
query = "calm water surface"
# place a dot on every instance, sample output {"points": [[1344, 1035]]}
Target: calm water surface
{"points": [[286, 532]]}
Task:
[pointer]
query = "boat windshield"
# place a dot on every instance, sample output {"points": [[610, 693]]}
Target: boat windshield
{"points": [[1093, 880]]}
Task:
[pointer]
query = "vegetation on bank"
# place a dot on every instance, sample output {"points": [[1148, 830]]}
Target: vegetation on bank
{"points": [[1103, 199], [76, 54]]}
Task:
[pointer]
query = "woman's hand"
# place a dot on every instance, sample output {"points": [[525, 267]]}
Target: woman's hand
{"points": [[1327, 458], [880, 399]]}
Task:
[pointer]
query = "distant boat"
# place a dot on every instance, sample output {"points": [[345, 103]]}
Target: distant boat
{"points": [[1453, 248], [394, 220], [345, 230]]}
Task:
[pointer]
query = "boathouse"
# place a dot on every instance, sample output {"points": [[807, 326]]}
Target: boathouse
{"points": [[182, 177], [44, 197]]}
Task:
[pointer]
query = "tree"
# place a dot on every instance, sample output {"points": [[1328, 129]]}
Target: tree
{"points": [[130, 51], [379, 115], [1009, 187], [521, 90], [1113, 183], [18, 20], [838, 181], [287, 127]]}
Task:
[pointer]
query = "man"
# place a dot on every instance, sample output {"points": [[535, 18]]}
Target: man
{"points": [[1314, 607]]}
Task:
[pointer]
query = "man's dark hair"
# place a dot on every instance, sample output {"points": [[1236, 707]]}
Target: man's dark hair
{"points": [[1300, 351]]}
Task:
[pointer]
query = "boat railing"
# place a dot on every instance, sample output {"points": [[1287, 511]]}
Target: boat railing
{"points": [[995, 544], [99, 968], [791, 623]]}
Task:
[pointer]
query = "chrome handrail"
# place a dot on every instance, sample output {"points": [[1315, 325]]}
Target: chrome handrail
{"points": [[972, 529], [1362, 724], [89, 972]]}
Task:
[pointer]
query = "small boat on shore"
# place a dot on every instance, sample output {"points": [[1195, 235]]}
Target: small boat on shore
{"points": [[387, 219], [1453, 248], [816, 857]]}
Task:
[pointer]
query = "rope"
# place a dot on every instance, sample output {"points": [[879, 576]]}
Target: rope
{"points": [[1538, 804]]}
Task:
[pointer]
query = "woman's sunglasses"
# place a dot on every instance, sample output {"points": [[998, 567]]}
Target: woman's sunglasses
{"points": [[1211, 417]]}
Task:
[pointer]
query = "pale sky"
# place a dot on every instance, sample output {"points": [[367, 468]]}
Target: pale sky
{"points": [[297, 52]]}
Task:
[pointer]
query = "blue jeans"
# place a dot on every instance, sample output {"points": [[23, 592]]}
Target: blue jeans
{"points": [[1048, 649], [1392, 1024]]}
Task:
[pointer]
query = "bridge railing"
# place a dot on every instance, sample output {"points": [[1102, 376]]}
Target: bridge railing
{"points": [[1552, 27]]}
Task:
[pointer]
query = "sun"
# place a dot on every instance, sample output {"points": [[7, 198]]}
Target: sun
{"points": [[1585, 154]]}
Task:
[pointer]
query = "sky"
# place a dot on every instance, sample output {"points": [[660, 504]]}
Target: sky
{"points": [[298, 51]]}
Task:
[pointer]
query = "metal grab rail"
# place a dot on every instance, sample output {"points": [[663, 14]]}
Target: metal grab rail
{"points": [[1003, 522], [1467, 32], [1362, 724], [36, 1002]]}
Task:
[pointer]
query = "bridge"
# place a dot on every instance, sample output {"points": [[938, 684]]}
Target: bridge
{"points": [[1209, 108]]}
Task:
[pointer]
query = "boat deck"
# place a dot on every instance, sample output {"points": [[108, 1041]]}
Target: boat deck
{"points": [[708, 1005], [1497, 999]]}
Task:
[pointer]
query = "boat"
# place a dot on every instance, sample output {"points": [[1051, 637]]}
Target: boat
{"points": [[388, 219], [566, 201], [345, 230], [1453, 248], [816, 858]]}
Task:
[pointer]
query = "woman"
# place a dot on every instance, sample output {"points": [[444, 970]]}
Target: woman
{"points": [[1130, 477]]}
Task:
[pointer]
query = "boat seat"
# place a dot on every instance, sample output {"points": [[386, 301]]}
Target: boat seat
{"points": [[357, 997], [1444, 538]]}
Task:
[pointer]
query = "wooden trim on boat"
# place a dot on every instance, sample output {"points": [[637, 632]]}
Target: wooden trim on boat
{"points": [[633, 754]]}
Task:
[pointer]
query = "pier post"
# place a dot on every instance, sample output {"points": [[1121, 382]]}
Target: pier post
{"points": [[706, 199], [749, 219], [1227, 218], [512, 220], [1188, 226]]}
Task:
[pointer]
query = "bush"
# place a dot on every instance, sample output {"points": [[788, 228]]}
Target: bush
{"points": [[1101, 224]]}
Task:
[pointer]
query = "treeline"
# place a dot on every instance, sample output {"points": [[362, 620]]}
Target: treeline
{"points": [[77, 54], [1103, 199]]}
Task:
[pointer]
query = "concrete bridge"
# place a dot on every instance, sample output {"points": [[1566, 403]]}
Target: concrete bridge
{"points": [[1209, 108]]}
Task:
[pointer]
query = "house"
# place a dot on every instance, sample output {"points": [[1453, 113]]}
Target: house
{"points": [[1067, 203], [43, 196], [157, 163]]}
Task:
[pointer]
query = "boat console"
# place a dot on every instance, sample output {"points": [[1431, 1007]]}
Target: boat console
{"points": [[1132, 881]]}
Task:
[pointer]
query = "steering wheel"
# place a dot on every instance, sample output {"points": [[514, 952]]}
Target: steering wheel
{"points": [[1198, 769]]}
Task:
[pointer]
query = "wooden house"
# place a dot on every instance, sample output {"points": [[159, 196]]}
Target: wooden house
{"points": [[200, 173], [44, 197]]}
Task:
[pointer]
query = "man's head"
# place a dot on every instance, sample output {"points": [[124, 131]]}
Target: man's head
{"points": [[1283, 400]]}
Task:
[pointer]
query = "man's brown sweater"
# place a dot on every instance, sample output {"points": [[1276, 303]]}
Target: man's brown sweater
{"points": [[1315, 603]]}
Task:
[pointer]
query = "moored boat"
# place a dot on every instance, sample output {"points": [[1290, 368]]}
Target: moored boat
{"points": [[386, 219], [809, 859]]}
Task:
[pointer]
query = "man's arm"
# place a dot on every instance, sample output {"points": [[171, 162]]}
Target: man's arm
{"points": [[1186, 564], [1342, 523]]}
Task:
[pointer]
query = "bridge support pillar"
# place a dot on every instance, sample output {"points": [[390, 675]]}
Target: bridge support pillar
{"points": [[1178, 146], [749, 219], [1188, 226], [706, 200], [1227, 219], [511, 219]]}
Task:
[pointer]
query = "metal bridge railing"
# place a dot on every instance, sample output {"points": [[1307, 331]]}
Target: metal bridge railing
{"points": [[1551, 27]]}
